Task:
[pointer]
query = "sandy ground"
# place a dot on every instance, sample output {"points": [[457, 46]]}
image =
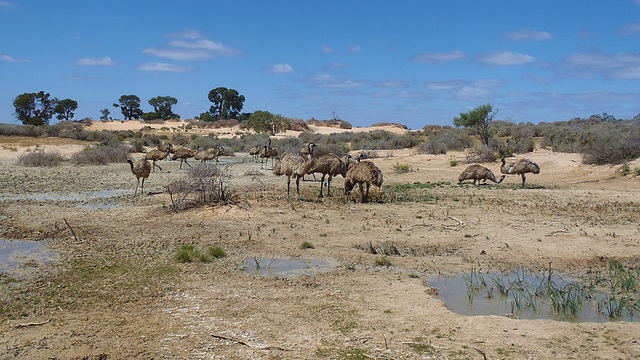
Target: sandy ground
{"points": [[570, 215]]}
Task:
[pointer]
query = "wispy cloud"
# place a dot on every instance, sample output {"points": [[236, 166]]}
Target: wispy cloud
{"points": [[163, 67], [103, 61], [438, 57], [6, 4], [327, 49], [355, 49], [629, 29], [12, 59], [594, 64], [393, 84], [528, 34], [191, 45], [506, 58], [328, 81], [280, 69], [462, 89]]}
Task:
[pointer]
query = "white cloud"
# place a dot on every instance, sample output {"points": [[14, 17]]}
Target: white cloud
{"points": [[506, 58], [439, 57], [355, 49], [280, 69], [103, 61], [327, 81], [6, 4], [527, 34], [617, 66], [11, 59], [327, 49], [163, 67], [629, 29], [191, 45]]}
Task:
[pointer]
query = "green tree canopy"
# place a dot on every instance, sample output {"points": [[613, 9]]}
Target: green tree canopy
{"points": [[162, 107], [264, 121], [479, 120], [130, 107], [34, 108], [65, 109], [227, 103], [105, 114]]}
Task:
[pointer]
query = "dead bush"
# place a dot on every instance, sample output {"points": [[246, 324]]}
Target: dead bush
{"points": [[41, 158], [205, 184]]}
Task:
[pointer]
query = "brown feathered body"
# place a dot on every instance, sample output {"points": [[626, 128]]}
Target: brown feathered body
{"points": [[269, 152], [141, 169], [157, 155], [295, 166], [363, 173], [184, 154], [519, 167], [478, 173], [331, 165], [209, 154], [255, 152]]}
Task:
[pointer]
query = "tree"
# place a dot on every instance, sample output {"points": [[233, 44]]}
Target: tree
{"points": [[227, 103], [105, 114], [130, 107], [65, 108], [264, 121], [479, 120], [162, 107], [34, 108], [206, 116]]}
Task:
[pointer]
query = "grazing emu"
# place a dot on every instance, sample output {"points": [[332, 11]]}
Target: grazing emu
{"points": [[183, 155], [332, 165], [477, 173], [364, 172], [157, 155], [140, 169], [296, 166], [520, 167]]}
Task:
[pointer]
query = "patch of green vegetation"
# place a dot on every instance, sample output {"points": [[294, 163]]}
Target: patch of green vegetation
{"points": [[189, 253], [400, 168], [624, 169], [383, 261], [307, 245], [422, 346], [453, 163]]}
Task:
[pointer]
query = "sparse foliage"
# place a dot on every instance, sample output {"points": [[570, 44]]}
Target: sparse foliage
{"points": [[478, 119], [130, 107], [65, 109]]}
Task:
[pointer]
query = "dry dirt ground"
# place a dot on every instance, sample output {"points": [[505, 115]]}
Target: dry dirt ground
{"points": [[116, 291]]}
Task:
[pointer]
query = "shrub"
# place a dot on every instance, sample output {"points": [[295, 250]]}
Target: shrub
{"points": [[383, 261], [402, 168], [206, 184], [189, 253], [216, 252], [453, 162], [41, 158], [447, 140], [624, 169], [307, 245], [101, 155]]}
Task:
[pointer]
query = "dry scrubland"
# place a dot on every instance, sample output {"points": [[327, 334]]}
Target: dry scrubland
{"points": [[117, 290]]}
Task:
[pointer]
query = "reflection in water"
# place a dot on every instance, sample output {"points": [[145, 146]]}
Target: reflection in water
{"points": [[465, 296], [286, 268]]}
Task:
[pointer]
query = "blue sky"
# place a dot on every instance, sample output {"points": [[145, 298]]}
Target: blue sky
{"points": [[411, 62]]}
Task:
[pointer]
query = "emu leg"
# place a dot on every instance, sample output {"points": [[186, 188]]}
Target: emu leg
{"points": [[288, 186], [156, 165], [366, 198], [524, 179], [321, 184], [136, 191], [329, 184], [362, 197], [142, 188], [298, 186]]}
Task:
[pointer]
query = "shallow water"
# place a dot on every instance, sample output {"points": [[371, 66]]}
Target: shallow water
{"points": [[455, 294], [15, 253], [286, 268], [103, 199]]}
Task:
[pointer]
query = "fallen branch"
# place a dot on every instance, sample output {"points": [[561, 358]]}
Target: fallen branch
{"points": [[458, 221], [32, 324], [73, 232], [257, 347]]}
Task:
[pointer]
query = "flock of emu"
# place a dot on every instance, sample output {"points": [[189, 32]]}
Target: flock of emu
{"points": [[354, 171]]}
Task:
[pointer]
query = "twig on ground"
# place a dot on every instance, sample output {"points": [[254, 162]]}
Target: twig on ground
{"points": [[257, 347], [73, 232]]}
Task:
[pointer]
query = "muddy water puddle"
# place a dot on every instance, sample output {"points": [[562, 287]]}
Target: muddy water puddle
{"points": [[104, 199], [528, 296], [18, 255], [286, 267]]}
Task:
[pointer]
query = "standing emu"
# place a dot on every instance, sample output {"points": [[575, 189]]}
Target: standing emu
{"points": [[183, 155], [140, 169], [296, 166], [269, 152], [520, 167], [255, 152], [157, 155], [477, 173], [364, 172], [332, 165]]}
